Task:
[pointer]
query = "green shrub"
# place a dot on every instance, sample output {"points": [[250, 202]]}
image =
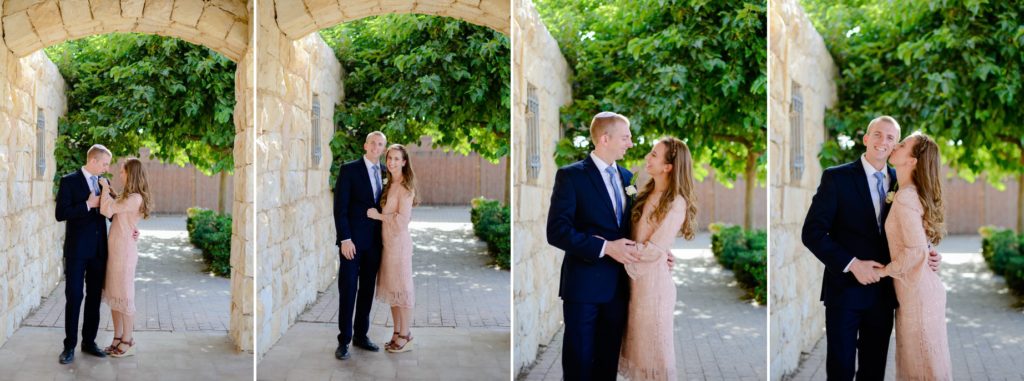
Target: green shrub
{"points": [[998, 248], [492, 224], [727, 244], [211, 232], [1015, 274], [745, 253]]}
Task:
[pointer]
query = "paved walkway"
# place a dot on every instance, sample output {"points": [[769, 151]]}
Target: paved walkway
{"points": [[985, 322], [719, 336], [461, 325], [181, 322]]}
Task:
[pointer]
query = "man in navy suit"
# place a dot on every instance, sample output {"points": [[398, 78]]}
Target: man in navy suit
{"points": [[844, 228], [589, 220], [358, 189], [85, 251]]}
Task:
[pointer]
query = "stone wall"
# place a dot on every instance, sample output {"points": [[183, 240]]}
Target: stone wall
{"points": [[538, 62], [243, 262], [30, 237], [295, 207], [298, 18], [799, 65]]}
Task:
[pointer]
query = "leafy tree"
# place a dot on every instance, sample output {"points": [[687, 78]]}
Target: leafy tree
{"points": [[413, 75], [128, 91], [951, 68], [690, 69]]}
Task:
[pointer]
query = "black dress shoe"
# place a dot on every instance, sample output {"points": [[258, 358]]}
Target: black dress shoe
{"points": [[67, 356], [342, 353], [366, 344], [94, 350]]}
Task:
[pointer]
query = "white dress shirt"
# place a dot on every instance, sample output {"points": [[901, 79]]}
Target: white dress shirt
{"points": [[870, 172], [602, 167]]}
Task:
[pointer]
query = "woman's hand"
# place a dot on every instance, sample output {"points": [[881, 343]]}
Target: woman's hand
{"points": [[373, 213]]}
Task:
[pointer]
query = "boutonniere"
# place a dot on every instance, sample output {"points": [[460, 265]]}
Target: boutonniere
{"points": [[385, 181], [631, 190], [891, 194]]}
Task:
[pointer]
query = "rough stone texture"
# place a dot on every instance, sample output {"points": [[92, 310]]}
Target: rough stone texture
{"points": [[30, 25], [536, 61], [299, 20], [295, 213], [30, 238], [29, 231], [796, 55]]}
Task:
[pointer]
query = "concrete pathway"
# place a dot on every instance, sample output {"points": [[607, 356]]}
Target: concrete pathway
{"points": [[719, 335], [181, 322], [461, 319], [985, 322]]}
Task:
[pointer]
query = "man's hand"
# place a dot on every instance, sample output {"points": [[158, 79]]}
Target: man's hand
{"points": [[622, 250], [934, 259], [865, 272], [93, 202], [135, 235], [348, 249], [671, 260]]}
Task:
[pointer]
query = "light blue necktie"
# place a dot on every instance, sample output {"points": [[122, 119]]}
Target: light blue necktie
{"points": [[881, 197], [95, 185], [376, 181], [618, 196]]}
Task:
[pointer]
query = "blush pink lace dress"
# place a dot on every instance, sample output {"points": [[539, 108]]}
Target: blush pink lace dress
{"points": [[922, 350], [122, 253], [648, 347], [394, 283]]}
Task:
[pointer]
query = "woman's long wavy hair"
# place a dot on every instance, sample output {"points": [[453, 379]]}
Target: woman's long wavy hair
{"points": [[408, 176], [929, 186], [135, 182], [680, 183]]}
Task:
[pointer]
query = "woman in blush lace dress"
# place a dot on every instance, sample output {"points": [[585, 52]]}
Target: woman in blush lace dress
{"points": [[664, 208], [394, 283], [131, 205], [914, 223]]}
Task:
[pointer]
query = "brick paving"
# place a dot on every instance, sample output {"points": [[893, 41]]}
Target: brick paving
{"points": [[718, 334], [985, 322], [172, 289], [461, 322]]}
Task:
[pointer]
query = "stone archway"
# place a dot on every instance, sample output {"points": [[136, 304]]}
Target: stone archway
{"points": [[297, 69], [30, 82]]}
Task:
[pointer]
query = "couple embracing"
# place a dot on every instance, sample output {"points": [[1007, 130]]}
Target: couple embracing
{"points": [[100, 266], [877, 246], [616, 281], [372, 211]]}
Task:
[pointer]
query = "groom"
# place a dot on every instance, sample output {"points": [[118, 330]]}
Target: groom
{"points": [[85, 251], [845, 229], [358, 189], [589, 220]]}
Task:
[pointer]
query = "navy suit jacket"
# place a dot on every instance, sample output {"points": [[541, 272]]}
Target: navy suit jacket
{"points": [[86, 229], [840, 225], [580, 210], [353, 195]]}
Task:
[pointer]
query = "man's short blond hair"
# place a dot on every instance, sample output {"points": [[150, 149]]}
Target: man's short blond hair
{"points": [[602, 121], [883, 118], [97, 149], [376, 133]]}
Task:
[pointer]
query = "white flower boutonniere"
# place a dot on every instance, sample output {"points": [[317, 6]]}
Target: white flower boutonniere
{"points": [[631, 191], [385, 181], [889, 196]]}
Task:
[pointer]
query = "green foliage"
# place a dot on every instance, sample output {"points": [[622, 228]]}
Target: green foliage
{"points": [[128, 91], [413, 75], [690, 69], [1015, 274], [745, 253], [491, 223], [211, 232], [1003, 250], [950, 68]]}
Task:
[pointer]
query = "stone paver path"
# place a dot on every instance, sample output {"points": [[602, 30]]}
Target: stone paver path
{"points": [[461, 324], [172, 290], [181, 324], [985, 322], [719, 335]]}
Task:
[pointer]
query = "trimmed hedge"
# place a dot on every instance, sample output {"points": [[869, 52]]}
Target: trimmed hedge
{"points": [[211, 232], [491, 223], [1003, 250], [745, 253]]}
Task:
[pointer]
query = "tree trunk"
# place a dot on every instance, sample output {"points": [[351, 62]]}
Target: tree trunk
{"points": [[750, 178], [508, 180], [222, 193], [1020, 202]]}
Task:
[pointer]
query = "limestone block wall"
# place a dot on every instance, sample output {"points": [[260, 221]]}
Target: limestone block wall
{"points": [[538, 62], [30, 237], [295, 207], [243, 265], [298, 18], [797, 59], [222, 25]]}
